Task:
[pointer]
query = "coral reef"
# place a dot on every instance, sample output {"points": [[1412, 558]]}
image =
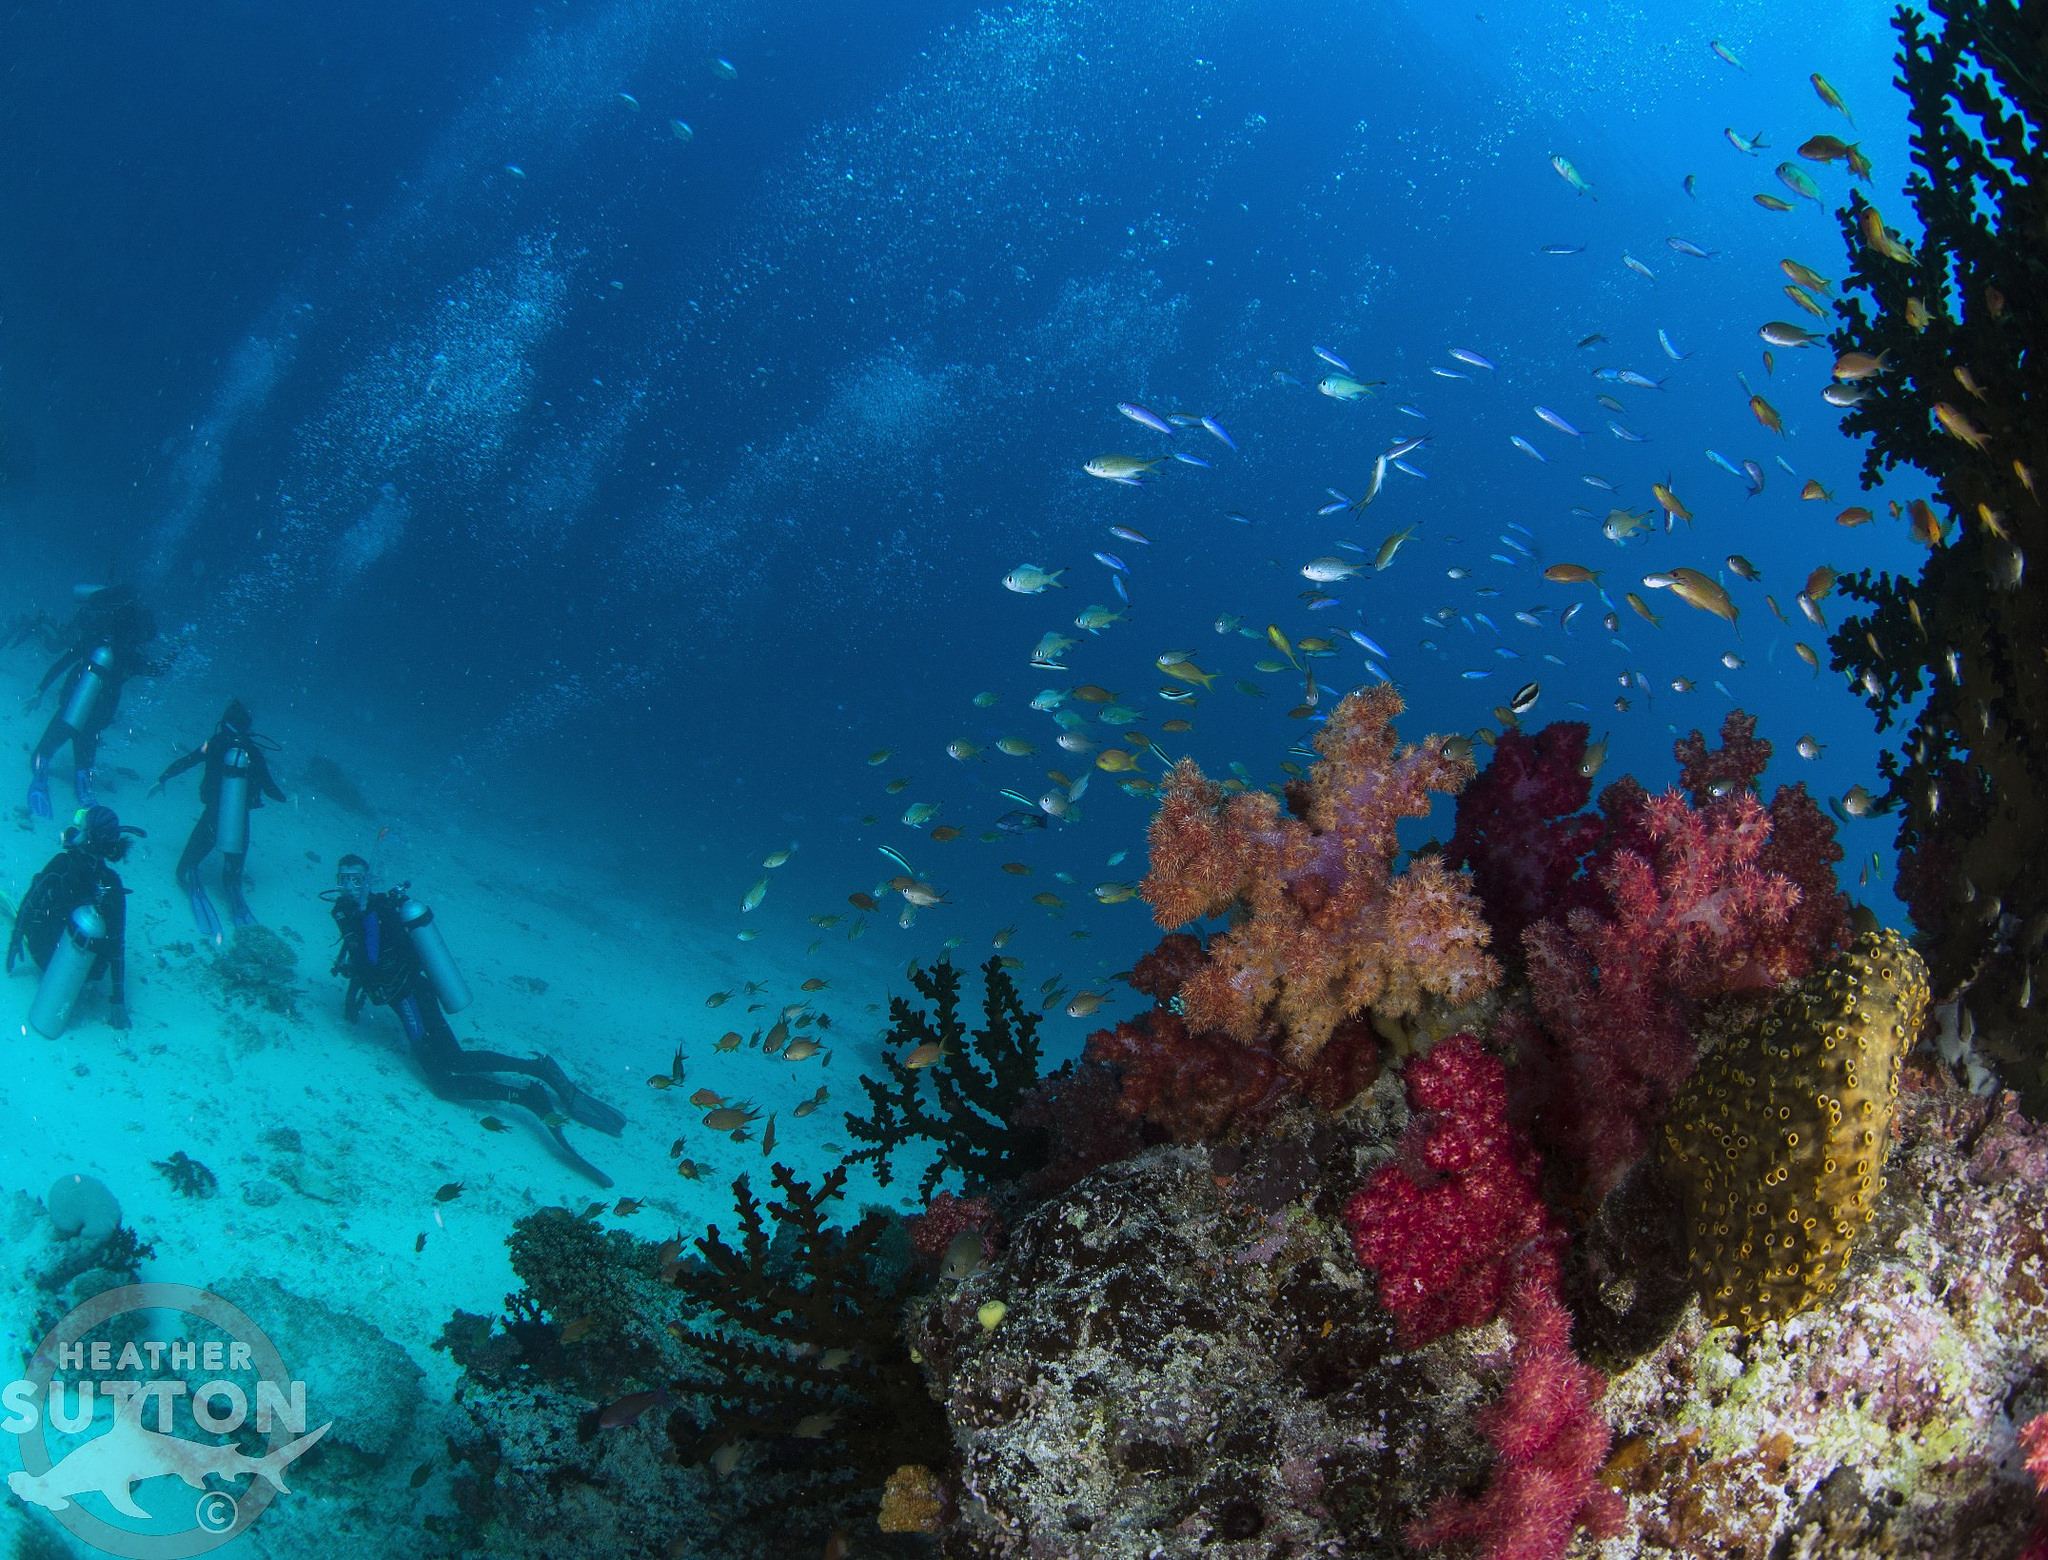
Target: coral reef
{"points": [[257, 969], [1323, 927], [1456, 1231], [188, 1177], [805, 1345], [1182, 1373], [956, 1091], [1961, 329], [1697, 900], [1779, 1139]]}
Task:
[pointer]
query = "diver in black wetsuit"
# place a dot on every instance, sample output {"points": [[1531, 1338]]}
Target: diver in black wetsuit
{"points": [[384, 965], [237, 771], [106, 639], [81, 874]]}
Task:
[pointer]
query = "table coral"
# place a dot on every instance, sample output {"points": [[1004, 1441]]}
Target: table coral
{"points": [[1779, 1138], [1329, 929]]}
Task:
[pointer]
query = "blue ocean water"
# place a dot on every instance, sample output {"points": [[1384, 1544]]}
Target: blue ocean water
{"points": [[608, 425]]}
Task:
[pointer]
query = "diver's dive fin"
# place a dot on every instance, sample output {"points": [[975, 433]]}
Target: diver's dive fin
{"points": [[238, 907], [203, 912], [579, 1106], [39, 792], [578, 1160]]}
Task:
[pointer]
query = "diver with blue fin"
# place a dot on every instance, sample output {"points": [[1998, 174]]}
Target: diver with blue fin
{"points": [[73, 921], [232, 785], [394, 955], [106, 639]]}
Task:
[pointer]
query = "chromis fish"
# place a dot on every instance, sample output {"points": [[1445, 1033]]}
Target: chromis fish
{"points": [[1095, 619], [1127, 469], [1342, 387], [1621, 524], [1795, 179], [1570, 175], [1328, 571], [1779, 334], [753, 897], [1049, 649], [1028, 579]]}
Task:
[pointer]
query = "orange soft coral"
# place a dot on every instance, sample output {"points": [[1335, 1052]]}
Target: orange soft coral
{"points": [[1328, 930]]}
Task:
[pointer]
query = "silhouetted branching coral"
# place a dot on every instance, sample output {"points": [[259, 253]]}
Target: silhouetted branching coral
{"points": [[1961, 326], [957, 1090], [802, 1342]]}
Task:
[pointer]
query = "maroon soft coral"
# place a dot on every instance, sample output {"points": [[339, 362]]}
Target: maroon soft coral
{"points": [[1521, 832], [1188, 1084]]}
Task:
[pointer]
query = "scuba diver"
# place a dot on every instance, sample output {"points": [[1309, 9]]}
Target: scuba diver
{"points": [[394, 955], [236, 779], [79, 878], [106, 639]]}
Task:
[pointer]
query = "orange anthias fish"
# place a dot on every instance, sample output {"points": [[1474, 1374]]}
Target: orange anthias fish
{"points": [[1767, 414]]}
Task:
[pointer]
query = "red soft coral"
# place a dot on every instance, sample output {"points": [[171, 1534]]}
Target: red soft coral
{"points": [[1456, 1232], [1446, 1224], [944, 1218], [1187, 1084], [1521, 833], [1552, 1440], [1332, 930]]}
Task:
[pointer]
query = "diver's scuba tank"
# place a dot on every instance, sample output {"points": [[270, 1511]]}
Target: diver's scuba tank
{"points": [[231, 828], [95, 682], [71, 961], [435, 958]]}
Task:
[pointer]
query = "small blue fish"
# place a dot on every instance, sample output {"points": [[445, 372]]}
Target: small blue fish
{"points": [[1502, 558], [1509, 541], [1364, 642], [1506, 654], [1599, 482], [1611, 375], [1331, 509], [1558, 422], [1529, 618], [1570, 612], [1624, 434], [1122, 595], [1139, 414], [1516, 525], [1318, 602], [1217, 429], [1333, 360], [1692, 185], [1686, 246], [1282, 377], [1192, 460], [1402, 465], [1407, 446], [1112, 561], [1412, 411], [1483, 618], [1562, 249], [1638, 267], [1641, 381], [1379, 671], [1788, 466], [1475, 676], [1724, 463], [1125, 533], [1463, 355], [1447, 373], [1670, 351], [1527, 448]]}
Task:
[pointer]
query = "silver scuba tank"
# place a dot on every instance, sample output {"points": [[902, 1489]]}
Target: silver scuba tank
{"points": [[64, 976], [95, 680], [231, 830], [435, 958]]}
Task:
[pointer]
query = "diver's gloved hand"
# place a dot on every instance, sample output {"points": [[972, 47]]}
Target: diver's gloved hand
{"points": [[117, 1015]]}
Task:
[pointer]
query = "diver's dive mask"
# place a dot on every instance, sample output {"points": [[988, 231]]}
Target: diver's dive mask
{"points": [[353, 879]]}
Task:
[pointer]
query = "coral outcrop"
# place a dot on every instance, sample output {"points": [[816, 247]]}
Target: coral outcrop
{"points": [[1779, 1139]]}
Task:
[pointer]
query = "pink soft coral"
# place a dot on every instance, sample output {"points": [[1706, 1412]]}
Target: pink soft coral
{"points": [[1332, 930], [1457, 1233]]}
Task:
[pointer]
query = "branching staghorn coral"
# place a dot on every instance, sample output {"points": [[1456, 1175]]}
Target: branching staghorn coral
{"points": [[1323, 927]]}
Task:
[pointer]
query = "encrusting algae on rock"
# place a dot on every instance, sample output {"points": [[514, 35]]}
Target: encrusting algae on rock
{"points": [[1779, 1138]]}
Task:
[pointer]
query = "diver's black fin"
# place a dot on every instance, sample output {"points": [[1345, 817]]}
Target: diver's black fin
{"points": [[238, 907], [204, 913], [579, 1161], [579, 1106]]}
